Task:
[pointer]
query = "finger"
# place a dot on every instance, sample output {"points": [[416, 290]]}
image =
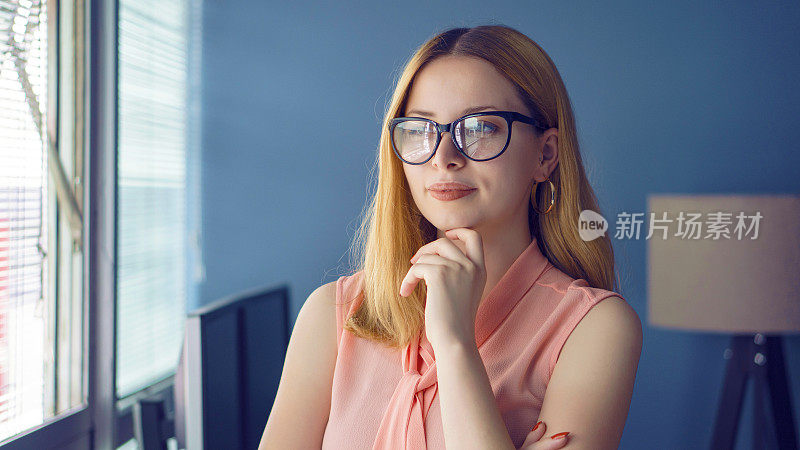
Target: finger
{"points": [[548, 443], [432, 258], [443, 247], [535, 434], [544, 443], [415, 274], [559, 442], [472, 239]]}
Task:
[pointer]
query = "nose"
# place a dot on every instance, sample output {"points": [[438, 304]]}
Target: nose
{"points": [[447, 153]]}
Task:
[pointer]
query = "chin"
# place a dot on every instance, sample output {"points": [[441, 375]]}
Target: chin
{"points": [[450, 224]]}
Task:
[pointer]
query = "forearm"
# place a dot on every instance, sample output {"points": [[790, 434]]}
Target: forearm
{"points": [[470, 417]]}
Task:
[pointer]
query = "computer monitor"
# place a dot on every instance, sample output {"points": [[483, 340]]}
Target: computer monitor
{"points": [[229, 370]]}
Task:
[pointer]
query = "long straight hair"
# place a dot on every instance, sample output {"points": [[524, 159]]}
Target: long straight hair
{"points": [[392, 227]]}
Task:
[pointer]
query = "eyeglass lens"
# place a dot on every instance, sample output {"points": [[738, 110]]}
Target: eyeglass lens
{"points": [[480, 137]]}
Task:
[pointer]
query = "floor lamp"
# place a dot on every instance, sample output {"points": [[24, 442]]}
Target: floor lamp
{"points": [[729, 264]]}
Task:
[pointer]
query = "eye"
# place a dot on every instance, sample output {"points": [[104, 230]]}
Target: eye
{"points": [[417, 129], [481, 128]]}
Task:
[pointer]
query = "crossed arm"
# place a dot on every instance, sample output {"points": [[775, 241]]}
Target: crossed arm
{"points": [[588, 394]]}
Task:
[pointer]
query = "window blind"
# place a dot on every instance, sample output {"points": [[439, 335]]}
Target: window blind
{"points": [[152, 190], [23, 214]]}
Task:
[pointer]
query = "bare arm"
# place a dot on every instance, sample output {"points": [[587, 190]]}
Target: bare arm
{"points": [[470, 417], [590, 390], [299, 414]]}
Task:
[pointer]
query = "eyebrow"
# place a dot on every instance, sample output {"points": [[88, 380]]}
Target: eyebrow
{"points": [[469, 110]]}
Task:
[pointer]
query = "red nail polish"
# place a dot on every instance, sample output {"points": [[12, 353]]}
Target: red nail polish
{"points": [[537, 425], [560, 435]]}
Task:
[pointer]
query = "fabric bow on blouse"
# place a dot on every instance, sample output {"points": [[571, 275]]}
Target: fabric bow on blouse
{"points": [[403, 426]]}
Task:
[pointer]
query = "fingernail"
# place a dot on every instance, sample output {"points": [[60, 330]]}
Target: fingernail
{"points": [[560, 435], [537, 425]]}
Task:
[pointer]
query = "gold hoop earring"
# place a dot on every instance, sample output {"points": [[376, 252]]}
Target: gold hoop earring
{"points": [[552, 197]]}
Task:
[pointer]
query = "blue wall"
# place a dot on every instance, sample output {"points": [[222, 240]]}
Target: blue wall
{"points": [[675, 97]]}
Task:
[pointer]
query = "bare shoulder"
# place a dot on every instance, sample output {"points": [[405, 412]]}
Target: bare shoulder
{"points": [[299, 413], [613, 323], [613, 314], [592, 384], [316, 320], [319, 310]]}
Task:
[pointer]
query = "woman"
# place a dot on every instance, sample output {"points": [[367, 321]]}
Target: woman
{"points": [[516, 338]]}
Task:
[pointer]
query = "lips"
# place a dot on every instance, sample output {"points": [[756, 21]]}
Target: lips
{"points": [[450, 194], [450, 186]]}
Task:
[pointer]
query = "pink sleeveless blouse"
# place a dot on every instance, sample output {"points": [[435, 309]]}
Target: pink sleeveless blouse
{"points": [[386, 398]]}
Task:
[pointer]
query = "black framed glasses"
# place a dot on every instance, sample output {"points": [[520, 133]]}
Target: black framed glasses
{"points": [[479, 136]]}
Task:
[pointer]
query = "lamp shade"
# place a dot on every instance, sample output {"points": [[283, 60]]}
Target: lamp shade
{"points": [[740, 273]]}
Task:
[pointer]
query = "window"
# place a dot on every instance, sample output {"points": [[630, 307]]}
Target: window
{"points": [[129, 257], [41, 243], [23, 217], [153, 280]]}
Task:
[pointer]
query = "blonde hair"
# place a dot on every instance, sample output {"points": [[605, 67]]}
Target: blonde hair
{"points": [[392, 227]]}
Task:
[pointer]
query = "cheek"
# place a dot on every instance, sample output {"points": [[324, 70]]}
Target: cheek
{"points": [[518, 170], [411, 178], [510, 185], [416, 183]]}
